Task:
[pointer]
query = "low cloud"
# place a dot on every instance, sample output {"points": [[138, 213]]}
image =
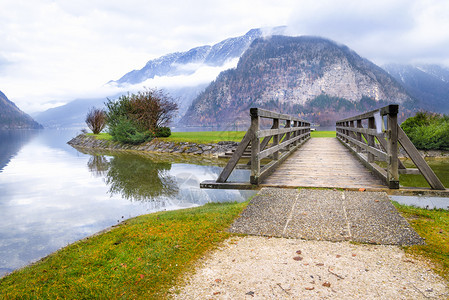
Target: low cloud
{"points": [[203, 74]]}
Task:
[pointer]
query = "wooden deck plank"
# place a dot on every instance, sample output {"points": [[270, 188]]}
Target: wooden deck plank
{"points": [[323, 162]]}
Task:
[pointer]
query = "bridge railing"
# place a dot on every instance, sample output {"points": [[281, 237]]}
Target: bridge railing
{"points": [[284, 140], [375, 136]]}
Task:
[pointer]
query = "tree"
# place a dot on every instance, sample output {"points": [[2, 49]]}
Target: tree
{"points": [[428, 131], [96, 120], [152, 108], [135, 118]]}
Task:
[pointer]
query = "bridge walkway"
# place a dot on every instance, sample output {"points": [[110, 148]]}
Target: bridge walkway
{"points": [[323, 162]]}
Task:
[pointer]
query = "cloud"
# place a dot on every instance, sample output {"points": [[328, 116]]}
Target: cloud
{"points": [[202, 74], [383, 31], [4, 62], [55, 50]]}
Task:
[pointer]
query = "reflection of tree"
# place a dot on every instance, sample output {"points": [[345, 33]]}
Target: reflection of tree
{"points": [[98, 165], [138, 178]]}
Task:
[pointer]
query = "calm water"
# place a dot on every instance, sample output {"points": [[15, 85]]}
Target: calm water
{"points": [[52, 195], [439, 166]]}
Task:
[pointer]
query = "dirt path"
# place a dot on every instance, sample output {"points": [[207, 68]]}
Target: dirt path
{"points": [[277, 268]]}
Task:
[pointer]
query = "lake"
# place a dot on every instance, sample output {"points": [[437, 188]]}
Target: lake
{"points": [[52, 195]]}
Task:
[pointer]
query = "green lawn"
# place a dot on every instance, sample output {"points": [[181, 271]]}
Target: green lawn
{"points": [[102, 136], [139, 259], [206, 137], [317, 134], [433, 226]]}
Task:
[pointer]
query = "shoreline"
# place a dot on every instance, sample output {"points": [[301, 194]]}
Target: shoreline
{"points": [[213, 150], [155, 145]]}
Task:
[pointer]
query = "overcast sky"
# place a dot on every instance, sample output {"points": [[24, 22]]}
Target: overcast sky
{"points": [[52, 52]]}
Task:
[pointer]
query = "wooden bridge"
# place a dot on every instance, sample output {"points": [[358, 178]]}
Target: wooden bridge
{"points": [[285, 155]]}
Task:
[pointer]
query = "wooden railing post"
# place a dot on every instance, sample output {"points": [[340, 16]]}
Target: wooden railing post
{"points": [[276, 138], [351, 133], [359, 135], [288, 135], [295, 133], [371, 125], [255, 147], [392, 147]]}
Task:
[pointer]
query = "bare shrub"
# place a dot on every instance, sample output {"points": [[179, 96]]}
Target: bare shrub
{"points": [[96, 120], [152, 108]]}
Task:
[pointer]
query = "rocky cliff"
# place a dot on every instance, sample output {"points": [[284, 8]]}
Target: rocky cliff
{"points": [[311, 76]]}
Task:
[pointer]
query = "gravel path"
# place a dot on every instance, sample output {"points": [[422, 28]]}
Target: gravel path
{"points": [[327, 215], [278, 268]]}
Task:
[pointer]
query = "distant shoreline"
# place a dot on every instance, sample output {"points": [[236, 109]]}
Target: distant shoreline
{"points": [[205, 149], [155, 145]]}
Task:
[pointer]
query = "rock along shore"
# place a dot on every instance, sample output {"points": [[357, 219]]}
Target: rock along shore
{"points": [[155, 145]]}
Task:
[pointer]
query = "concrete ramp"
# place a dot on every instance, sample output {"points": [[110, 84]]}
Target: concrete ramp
{"points": [[330, 215]]}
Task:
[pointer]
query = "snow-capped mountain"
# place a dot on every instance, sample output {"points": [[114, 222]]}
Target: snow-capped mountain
{"points": [[178, 66], [186, 63]]}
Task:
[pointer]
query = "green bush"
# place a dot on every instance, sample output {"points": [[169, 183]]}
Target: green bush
{"points": [[125, 131], [163, 132], [428, 131], [136, 118]]}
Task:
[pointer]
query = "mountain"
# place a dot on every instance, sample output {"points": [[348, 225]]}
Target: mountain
{"points": [[186, 63], [70, 115], [427, 83], [313, 76], [11, 117]]}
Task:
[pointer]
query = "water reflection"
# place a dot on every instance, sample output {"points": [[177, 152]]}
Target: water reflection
{"points": [[161, 179], [11, 141], [137, 178], [52, 195], [439, 165], [98, 165]]}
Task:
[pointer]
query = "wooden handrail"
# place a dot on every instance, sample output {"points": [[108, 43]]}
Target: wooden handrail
{"points": [[380, 141], [284, 141]]}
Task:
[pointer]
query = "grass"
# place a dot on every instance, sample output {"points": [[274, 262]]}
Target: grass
{"points": [[318, 134], [206, 137], [433, 226], [142, 258], [102, 136]]}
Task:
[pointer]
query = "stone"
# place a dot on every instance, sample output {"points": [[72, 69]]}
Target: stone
{"points": [[213, 149]]}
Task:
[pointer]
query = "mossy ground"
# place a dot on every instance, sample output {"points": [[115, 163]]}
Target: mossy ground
{"points": [[142, 258], [433, 226]]}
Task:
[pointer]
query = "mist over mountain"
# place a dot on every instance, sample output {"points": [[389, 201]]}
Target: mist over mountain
{"points": [[185, 63], [168, 66], [427, 83], [70, 115], [11, 117], [311, 76], [317, 78]]}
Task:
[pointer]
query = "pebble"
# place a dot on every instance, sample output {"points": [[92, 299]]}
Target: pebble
{"points": [[275, 275]]}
